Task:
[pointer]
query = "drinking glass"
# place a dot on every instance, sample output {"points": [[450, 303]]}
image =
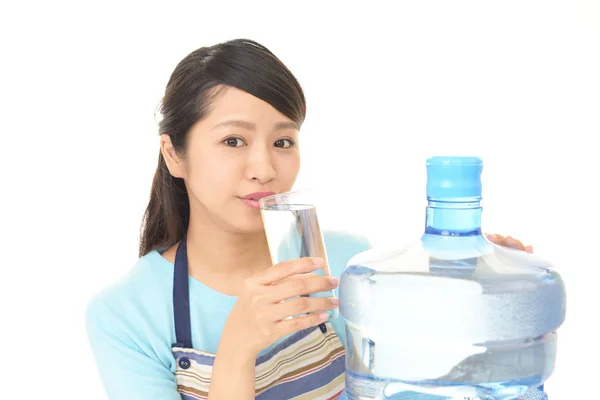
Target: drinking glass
{"points": [[293, 231]]}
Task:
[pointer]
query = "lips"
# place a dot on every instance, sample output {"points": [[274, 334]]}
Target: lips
{"points": [[251, 200], [257, 196]]}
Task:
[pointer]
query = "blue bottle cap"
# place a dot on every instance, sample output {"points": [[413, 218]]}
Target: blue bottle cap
{"points": [[454, 177]]}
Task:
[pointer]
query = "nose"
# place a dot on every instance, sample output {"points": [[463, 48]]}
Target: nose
{"points": [[260, 164]]}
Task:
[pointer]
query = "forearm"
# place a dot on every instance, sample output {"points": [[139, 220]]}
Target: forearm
{"points": [[233, 375]]}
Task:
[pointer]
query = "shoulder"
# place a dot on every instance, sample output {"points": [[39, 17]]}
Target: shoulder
{"points": [[341, 247], [346, 240], [151, 273], [126, 306], [130, 331]]}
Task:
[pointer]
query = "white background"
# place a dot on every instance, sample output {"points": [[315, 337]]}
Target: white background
{"points": [[515, 82]]}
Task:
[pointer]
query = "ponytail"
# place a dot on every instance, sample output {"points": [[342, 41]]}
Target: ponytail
{"points": [[167, 215]]}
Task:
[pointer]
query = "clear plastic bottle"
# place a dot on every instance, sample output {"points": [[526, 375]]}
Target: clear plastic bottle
{"points": [[453, 316]]}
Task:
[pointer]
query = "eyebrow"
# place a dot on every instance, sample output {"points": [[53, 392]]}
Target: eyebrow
{"points": [[252, 127]]}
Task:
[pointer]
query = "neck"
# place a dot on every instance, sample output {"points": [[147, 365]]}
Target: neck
{"points": [[453, 217], [214, 250]]}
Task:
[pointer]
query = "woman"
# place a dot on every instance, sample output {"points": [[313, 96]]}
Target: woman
{"points": [[229, 136]]}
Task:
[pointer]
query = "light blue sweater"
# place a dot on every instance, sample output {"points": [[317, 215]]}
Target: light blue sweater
{"points": [[131, 329]]}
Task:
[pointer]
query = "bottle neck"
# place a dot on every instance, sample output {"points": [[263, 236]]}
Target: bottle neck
{"points": [[453, 217]]}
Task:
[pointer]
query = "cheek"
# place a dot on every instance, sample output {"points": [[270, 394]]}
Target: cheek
{"points": [[208, 174], [288, 168]]}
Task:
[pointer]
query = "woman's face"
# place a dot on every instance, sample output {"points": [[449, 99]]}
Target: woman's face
{"points": [[242, 150]]}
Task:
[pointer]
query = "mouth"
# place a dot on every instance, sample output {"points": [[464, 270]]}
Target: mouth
{"points": [[251, 200], [257, 196]]}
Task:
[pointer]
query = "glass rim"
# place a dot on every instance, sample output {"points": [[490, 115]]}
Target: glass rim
{"points": [[278, 197]]}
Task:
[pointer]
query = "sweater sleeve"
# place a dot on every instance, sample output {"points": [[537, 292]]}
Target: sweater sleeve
{"points": [[126, 372]]}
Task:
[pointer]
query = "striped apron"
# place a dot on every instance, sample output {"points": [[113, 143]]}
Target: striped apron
{"points": [[307, 365]]}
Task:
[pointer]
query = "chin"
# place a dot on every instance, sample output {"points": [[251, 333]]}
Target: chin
{"points": [[248, 224]]}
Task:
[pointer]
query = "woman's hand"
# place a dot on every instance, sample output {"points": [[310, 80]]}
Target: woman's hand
{"points": [[258, 318], [508, 241]]}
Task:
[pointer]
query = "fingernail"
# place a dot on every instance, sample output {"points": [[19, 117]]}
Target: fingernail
{"points": [[323, 316], [335, 301], [334, 281]]}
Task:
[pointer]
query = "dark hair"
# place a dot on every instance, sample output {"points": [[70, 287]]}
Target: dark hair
{"points": [[191, 89]]}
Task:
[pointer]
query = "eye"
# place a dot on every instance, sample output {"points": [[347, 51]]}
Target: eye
{"points": [[234, 142], [284, 143]]}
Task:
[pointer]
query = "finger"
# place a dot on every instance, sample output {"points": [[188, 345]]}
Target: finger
{"points": [[307, 275], [301, 285], [495, 238], [302, 322], [302, 305], [528, 249], [513, 243], [288, 268]]}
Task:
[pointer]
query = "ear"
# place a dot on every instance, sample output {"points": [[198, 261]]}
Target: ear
{"points": [[173, 161]]}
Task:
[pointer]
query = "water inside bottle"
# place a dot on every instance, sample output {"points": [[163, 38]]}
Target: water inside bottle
{"points": [[440, 360]]}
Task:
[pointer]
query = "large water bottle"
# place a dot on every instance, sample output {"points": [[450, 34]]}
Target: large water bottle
{"points": [[453, 316]]}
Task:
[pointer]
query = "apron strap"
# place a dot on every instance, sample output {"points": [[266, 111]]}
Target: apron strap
{"points": [[181, 297]]}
